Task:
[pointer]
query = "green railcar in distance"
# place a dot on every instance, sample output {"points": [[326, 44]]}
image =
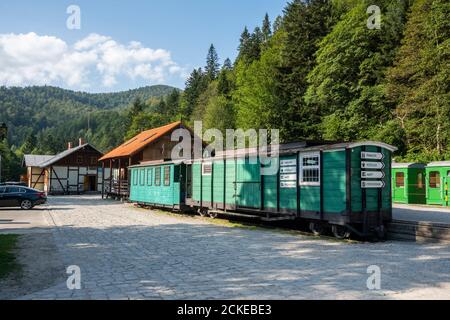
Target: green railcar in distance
{"points": [[408, 183], [437, 183]]}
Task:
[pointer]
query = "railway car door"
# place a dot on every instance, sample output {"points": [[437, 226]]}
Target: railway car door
{"points": [[435, 187], [248, 184], [187, 179]]}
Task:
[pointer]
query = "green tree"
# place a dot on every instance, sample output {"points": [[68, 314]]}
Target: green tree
{"points": [[196, 84], [418, 83], [219, 114], [258, 97], [346, 85], [305, 24], [212, 63], [30, 144], [266, 28]]}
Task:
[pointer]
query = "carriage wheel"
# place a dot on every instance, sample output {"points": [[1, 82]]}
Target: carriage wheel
{"points": [[340, 232], [213, 215], [316, 228]]}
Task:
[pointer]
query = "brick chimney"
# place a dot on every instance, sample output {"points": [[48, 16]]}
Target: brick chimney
{"points": [[69, 145], [81, 141]]}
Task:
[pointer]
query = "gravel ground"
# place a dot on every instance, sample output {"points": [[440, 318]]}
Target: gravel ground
{"points": [[128, 253]]}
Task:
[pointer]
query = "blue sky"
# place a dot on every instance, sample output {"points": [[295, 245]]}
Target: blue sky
{"points": [[117, 45]]}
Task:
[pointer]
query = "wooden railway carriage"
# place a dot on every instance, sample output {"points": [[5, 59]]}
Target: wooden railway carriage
{"points": [[437, 183], [346, 186], [408, 183]]}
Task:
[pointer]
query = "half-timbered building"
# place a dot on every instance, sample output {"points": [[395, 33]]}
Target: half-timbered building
{"points": [[73, 171]]}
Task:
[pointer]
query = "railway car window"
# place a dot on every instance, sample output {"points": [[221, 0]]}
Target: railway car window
{"points": [[419, 181], [399, 179], [158, 176], [149, 177], [310, 169], [142, 177], [435, 179], [135, 177], [167, 176], [206, 169]]}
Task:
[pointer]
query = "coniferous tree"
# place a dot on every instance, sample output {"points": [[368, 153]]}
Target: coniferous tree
{"points": [[196, 84], [227, 65], [347, 82], [305, 23], [212, 63], [418, 84], [266, 28], [244, 44]]}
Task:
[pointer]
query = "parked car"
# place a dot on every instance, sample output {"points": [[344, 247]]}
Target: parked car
{"points": [[22, 184], [23, 197]]}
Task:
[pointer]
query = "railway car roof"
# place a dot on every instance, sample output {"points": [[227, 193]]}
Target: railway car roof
{"points": [[399, 165], [284, 149], [439, 164]]}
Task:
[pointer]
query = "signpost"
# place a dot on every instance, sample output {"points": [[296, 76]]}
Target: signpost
{"points": [[372, 174], [372, 170], [372, 156], [372, 165], [288, 184], [373, 184], [288, 174]]}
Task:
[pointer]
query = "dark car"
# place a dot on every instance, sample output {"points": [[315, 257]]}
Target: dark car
{"points": [[22, 184], [23, 197]]}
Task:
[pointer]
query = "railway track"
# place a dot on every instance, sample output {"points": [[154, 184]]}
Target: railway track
{"points": [[419, 231]]}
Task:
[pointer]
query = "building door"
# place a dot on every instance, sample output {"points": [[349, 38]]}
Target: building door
{"points": [[90, 183]]}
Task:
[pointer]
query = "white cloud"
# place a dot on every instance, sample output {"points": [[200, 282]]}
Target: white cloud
{"points": [[31, 59]]}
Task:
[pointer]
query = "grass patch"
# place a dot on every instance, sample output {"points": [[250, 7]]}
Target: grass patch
{"points": [[7, 259]]}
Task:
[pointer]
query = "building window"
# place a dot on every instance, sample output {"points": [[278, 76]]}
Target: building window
{"points": [[135, 177], [310, 169], [94, 161], [149, 177], [207, 169], [142, 177], [419, 180], [167, 176], [79, 159], [399, 180], [435, 179], [158, 176]]}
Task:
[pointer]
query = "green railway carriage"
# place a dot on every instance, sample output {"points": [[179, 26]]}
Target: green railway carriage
{"points": [[345, 186], [156, 184], [437, 183], [408, 183]]}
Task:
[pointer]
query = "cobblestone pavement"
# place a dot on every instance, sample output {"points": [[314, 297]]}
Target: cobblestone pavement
{"points": [[421, 213], [129, 253]]}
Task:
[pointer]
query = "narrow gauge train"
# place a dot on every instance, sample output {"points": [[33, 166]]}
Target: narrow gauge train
{"points": [[345, 186]]}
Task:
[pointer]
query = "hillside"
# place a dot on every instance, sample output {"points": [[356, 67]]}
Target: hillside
{"points": [[50, 111]]}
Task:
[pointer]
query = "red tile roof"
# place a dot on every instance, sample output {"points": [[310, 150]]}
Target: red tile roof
{"points": [[140, 141]]}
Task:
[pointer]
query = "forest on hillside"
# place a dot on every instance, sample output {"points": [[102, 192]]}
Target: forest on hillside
{"points": [[318, 72]]}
